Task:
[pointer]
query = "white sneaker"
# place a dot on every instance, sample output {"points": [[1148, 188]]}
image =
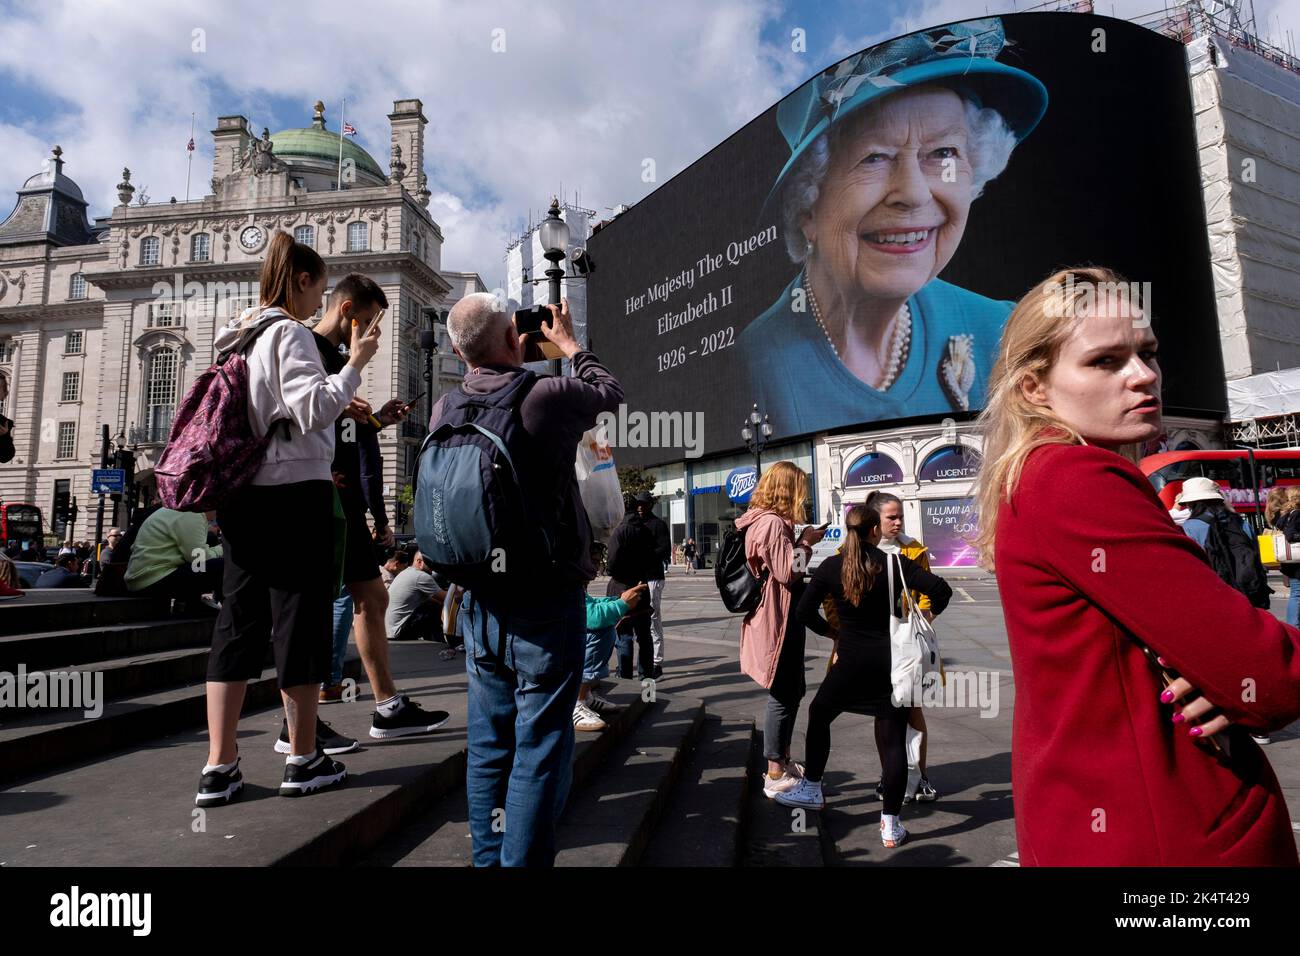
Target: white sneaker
{"points": [[892, 836], [913, 783], [805, 794], [782, 784], [585, 719]]}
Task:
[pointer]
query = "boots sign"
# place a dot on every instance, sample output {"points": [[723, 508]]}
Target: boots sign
{"points": [[741, 483]]}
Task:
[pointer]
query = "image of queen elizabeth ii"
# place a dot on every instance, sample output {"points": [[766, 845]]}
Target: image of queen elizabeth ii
{"points": [[888, 150]]}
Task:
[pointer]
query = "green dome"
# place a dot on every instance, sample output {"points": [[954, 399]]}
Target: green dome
{"points": [[322, 145]]}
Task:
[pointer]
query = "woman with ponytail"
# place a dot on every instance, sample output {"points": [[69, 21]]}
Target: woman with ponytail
{"points": [[858, 682], [268, 598], [1139, 674]]}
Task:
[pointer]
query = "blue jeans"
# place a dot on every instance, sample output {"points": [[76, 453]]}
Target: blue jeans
{"points": [[342, 628], [599, 646], [1293, 603], [523, 666]]}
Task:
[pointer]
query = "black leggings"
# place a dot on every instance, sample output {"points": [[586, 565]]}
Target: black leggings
{"points": [[891, 732]]}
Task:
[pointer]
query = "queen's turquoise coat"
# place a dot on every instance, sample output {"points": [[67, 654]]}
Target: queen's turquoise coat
{"points": [[802, 386]]}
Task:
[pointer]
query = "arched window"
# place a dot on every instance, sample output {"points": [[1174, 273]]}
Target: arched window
{"points": [[150, 251], [160, 392], [358, 237], [200, 247], [306, 235], [77, 286]]}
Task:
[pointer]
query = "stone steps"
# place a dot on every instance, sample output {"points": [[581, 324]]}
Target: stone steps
{"points": [[440, 836], [610, 821]]}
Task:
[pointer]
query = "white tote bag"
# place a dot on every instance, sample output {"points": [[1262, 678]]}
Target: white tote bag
{"points": [[914, 646], [598, 484]]}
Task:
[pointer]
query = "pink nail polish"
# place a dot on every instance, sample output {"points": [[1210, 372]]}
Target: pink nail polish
{"points": [[1179, 718], [1196, 731], [1167, 696], [1162, 662]]}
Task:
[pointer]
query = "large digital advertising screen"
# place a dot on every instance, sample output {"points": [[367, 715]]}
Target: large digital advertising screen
{"points": [[848, 258]]}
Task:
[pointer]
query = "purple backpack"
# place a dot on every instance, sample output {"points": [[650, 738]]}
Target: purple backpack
{"points": [[211, 451]]}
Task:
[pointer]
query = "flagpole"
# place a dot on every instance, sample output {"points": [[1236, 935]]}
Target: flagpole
{"points": [[190, 153], [339, 182]]}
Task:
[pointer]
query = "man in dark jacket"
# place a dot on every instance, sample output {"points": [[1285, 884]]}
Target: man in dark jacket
{"points": [[63, 574], [637, 551], [357, 298], [645, 504], [524, 651]]}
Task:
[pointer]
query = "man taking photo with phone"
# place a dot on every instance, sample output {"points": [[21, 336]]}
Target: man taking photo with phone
{"points": [[358, 299]]}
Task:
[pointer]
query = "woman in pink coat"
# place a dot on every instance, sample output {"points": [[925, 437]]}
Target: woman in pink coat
{"points": [[771, 641]]}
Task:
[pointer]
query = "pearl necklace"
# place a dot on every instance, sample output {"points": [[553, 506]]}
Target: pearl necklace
{"points": [[901, 340]]}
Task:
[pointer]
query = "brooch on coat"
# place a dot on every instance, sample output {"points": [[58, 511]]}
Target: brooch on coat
{"points": [[957, 370]]}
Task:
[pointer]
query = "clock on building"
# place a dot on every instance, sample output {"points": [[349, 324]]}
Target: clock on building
{"points": [[251, 238]]}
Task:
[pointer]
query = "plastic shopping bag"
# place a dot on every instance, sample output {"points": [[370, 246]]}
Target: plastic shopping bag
{"points": [[598, 483]]}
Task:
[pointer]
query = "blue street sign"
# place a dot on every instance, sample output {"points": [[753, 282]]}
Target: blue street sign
{"points": [[107, 481]]}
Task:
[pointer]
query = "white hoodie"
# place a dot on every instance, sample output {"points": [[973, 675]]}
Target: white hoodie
{"points": [[287, 380]]}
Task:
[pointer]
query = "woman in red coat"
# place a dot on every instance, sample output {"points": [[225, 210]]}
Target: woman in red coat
{"points": [[1110, 768]]}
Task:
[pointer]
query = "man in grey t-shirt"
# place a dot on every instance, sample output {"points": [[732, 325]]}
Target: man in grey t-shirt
{"points": [[414, 605]]}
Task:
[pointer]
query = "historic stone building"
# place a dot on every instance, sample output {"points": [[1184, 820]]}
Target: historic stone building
{"points": [[109, 323]]}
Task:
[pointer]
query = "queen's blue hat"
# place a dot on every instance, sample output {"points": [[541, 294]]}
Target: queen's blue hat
{"points": [[964, 54]]}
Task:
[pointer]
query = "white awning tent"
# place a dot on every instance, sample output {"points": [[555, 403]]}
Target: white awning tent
{"points": [[1266, 395]]}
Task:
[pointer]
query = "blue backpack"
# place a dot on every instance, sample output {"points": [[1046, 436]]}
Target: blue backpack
{"points": [[475, 520]]}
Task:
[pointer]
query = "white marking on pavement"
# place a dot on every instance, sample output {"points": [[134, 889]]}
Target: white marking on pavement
{"points": [[966, 594]]}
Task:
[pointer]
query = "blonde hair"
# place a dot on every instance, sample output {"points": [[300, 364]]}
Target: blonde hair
{"points": [[1276, 503], [1010, 425], [783, 489], [8, 572], [1292, 498]]}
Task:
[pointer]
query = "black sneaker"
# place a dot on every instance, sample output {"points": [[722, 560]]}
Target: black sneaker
{"points": [[411, 719], [326, 739], [318, 773], [216, 789]]}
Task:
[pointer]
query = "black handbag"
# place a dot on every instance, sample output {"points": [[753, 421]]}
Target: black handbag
{"points": [[740, 588]]}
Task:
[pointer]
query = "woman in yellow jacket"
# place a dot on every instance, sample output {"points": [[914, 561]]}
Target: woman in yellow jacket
{"points": [[893, 541]]}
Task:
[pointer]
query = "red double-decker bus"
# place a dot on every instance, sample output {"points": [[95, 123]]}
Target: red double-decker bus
{"points": [[21, 522], [1245, 474]]}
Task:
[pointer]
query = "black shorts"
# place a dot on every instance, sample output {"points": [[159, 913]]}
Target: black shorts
{"points": [[275, 596], [359, 562]]}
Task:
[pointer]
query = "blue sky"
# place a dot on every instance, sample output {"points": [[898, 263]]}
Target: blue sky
{"points": [[581, 94]]}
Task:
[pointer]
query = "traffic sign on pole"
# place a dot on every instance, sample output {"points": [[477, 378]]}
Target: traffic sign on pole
{"points": [[107, 481]]}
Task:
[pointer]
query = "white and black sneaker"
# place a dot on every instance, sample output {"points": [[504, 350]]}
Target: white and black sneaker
{"points": [[318, 773], [216, 789], [327, 739], [601, 706], [411, 719]]}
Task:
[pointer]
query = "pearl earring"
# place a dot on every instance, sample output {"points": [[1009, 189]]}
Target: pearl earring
{"points": [[808, 248]]}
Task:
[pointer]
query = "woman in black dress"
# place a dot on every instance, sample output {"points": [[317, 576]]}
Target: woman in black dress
{"points": [[858, 681]]}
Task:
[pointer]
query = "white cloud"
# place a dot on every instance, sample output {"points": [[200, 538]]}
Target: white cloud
{"points": [[583, 94]]}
